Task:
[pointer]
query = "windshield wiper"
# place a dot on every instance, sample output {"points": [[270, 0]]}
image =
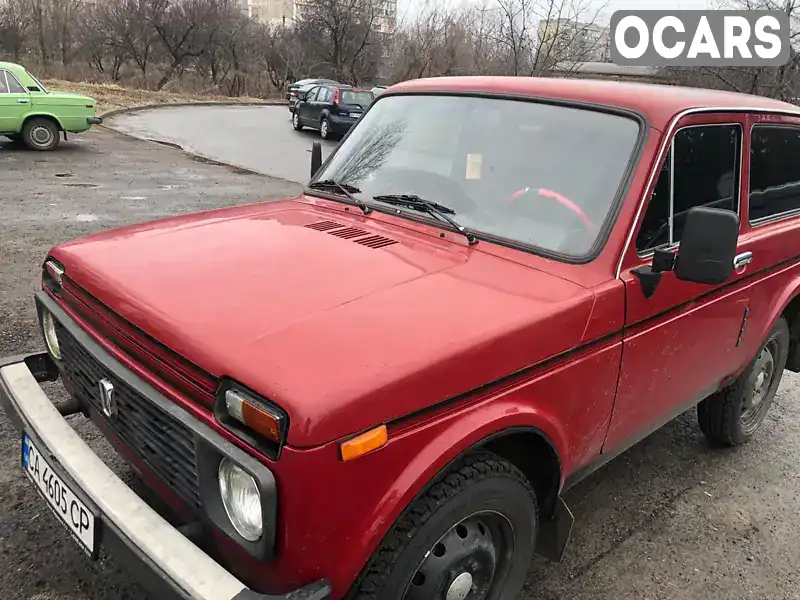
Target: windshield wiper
{"points": [[343, 188], [438, 210]]}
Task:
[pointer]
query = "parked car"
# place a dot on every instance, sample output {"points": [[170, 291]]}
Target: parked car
{"points": [[331, 108], [290, 91], [299, 94], [32, 114], [497, 285]]}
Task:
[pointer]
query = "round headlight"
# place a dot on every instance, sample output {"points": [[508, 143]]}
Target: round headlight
{"points": [[241, 499], [50, 337]]}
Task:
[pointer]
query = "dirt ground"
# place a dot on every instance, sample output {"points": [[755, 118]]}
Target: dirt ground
{"points": [[671, 519], [111, 97]]}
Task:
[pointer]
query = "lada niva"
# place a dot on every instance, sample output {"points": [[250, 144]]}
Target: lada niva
{"points": [[380, 389]]}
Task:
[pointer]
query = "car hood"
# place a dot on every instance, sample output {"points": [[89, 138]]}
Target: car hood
{"points": [[342, 321]]}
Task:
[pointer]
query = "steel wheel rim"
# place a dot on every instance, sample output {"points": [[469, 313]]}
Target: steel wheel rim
{"points": [[470, 561], [759, 387], [295, 119], [41, 135], [324, 129]]}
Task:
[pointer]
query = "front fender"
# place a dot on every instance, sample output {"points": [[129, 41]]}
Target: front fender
{"points": [[431, 448]]}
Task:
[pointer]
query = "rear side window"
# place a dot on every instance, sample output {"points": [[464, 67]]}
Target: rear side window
{"points": [[3, 84], [351, 97], [774, 171], [325, 95], [700, 169]]}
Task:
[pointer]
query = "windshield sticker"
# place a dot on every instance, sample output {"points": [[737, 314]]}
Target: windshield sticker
{"points": [[474, 162]]}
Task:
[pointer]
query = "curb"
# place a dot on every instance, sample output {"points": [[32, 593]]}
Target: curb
{"points": [[132, 109]]}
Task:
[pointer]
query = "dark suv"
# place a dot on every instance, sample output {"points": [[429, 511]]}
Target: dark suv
{"points": [[333, 109]]}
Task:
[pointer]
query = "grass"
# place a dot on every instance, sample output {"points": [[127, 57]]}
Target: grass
{"points": [[112, 97]]}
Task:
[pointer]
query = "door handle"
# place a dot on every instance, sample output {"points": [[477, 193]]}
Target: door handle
{"points": [[23, 100], [742, 260]]}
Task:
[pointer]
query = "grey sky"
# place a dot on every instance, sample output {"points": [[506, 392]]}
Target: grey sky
{"points": [[409, 7]]}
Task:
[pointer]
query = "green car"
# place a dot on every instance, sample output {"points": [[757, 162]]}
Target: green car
{"points": [[31, 113]]}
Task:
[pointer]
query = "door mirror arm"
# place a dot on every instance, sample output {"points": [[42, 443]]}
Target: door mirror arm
{"points": [[650, 275]]}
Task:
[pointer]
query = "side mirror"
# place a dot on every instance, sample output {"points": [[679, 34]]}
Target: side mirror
{"points": [[708, 245], [706, 254], [316, 158]]}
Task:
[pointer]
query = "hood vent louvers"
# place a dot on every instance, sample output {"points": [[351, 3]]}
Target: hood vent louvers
{"points": [[325, 225], [354, 234], [375, 241], [348, 233]]}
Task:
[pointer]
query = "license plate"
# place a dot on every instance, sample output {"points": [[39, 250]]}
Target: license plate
{"points": [[78, 518], [355, 115]]}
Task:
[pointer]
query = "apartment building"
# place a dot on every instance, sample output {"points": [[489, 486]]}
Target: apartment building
{"points": [[286, 12], [574, 40]]}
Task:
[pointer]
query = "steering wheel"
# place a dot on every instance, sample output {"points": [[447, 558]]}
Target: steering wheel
{"points": [[561, 199]]}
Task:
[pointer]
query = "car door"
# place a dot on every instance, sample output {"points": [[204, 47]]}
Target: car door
{"points": [[318, 105], [304, 106], [683, 341], [15, 102], [771, 224]]}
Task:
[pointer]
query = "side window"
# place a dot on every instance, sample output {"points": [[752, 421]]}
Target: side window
{"points": [[3, 84], [311, 96], [326, 95], [14, 87], [774, 171], [700, 169]]}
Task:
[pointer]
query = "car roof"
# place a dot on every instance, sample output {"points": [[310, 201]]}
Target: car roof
{"points": [[658, 103], [13, 67]]}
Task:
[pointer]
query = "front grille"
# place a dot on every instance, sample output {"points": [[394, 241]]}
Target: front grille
{"points": [[165, 364], [160, 440]]}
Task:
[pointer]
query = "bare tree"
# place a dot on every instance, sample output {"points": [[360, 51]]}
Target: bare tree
{"points": [[15, 24]]}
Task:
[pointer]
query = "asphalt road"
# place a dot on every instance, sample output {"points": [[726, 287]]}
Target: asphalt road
{"points": [[259, 138], [671, 519]]}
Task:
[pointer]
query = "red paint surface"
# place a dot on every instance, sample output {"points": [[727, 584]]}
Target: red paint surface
{"points": [[345, 337]]}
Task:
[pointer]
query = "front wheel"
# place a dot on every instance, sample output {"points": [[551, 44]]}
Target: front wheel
{"points": [[41, 134], [470, 536], [733, 415], [296, 121]]}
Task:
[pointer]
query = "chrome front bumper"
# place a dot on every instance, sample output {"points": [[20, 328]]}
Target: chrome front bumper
{"points": [[131, 530]]}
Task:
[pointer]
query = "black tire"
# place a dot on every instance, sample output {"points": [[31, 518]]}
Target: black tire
{"points": [[296, 121], [733, 415], [41, 134], [325, 129], [477, 504]]}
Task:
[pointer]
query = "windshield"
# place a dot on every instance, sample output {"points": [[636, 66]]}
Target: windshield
{"points": [[39, 84], [529, 172], [361, 98]]}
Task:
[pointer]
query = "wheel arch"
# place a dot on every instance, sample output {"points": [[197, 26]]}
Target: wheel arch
{"points": [[792, 314], [40, 115], [532, 452]]}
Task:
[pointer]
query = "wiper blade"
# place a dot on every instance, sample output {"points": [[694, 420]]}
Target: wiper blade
{"points": [[418, 203], [343, 188]]}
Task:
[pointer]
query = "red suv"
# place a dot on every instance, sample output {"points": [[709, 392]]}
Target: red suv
{"points": [[380, 389]]}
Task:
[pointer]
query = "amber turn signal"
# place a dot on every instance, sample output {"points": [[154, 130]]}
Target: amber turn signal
{"points": [[364, 443], [258, 418]]}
